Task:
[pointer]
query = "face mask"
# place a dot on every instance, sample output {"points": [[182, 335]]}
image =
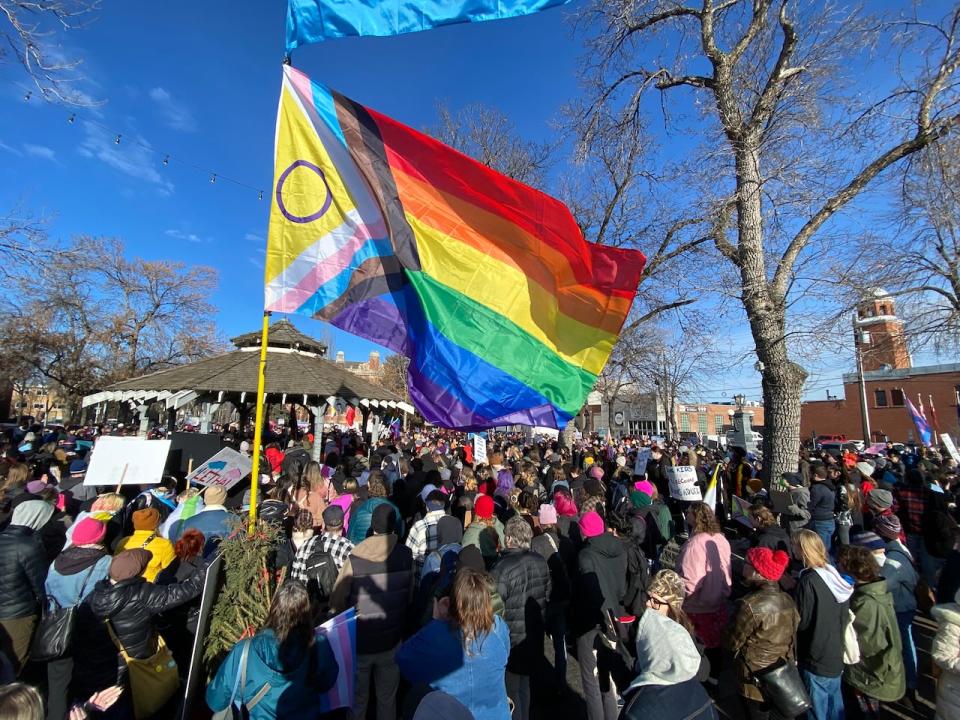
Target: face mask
{"points": [[880, 558]]}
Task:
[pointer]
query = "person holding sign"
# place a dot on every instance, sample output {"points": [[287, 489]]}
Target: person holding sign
{"points": [[704, 564]]}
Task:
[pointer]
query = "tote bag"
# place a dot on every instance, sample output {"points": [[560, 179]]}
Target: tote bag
{"points": [[153, 680]]}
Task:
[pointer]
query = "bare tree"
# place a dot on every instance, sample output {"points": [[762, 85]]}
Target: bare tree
{"points": [[917, 260], [28, 32], [97, 317], [487, 135], [395, 375], [781, 139]]}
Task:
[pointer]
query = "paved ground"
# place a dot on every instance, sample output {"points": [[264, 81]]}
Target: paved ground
{"points": [[560, 703]]}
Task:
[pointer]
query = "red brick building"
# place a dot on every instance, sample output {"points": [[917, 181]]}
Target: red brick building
{"points": [[889, 378]]}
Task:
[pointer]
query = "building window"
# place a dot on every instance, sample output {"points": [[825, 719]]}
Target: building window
{"points": [[880, 398], [684, 423], [702, 424], [718, 424], [896, 397]]}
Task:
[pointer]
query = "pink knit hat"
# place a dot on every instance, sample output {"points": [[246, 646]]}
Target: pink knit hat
{"points": [[591, 525], [644, 486], [89, 531], [548, 514]]}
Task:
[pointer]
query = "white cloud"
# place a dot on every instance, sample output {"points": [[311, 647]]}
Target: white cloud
{"points": [[189, 237], [174, 113], [39, 151], [132, 156], [253, 237], [10, 149]]}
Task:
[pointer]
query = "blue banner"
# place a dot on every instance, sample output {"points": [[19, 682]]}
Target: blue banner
{"points": [[310, 21]]}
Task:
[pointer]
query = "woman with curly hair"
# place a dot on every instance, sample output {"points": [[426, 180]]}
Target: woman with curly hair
{"points": [[668, 666]]}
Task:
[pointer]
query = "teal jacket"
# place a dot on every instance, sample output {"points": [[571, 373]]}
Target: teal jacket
{"points": [[360, 519], [293, 691]]}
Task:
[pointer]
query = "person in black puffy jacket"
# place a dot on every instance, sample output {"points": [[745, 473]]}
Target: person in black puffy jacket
{"points": [[23, 567], [523, 581], [129, 603]]}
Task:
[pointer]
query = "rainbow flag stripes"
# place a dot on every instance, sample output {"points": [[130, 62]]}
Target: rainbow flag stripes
{"points": [[488, 286]]}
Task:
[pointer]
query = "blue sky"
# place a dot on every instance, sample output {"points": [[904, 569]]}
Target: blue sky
{"points": [[198, 82]]}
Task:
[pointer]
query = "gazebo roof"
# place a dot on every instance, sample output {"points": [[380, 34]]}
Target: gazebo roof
{"points": [[295, 372], [282, 335]]}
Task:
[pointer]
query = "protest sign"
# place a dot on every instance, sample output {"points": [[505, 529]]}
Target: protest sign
{"points": [[643, 457], [189, 449], [127, 461], [951, 448], [683, 483], [226, 469], [211, 582], [876, 449], [479, 450]]}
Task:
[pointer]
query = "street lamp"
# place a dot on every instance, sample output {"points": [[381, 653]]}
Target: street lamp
{"points": [[739, 399]]}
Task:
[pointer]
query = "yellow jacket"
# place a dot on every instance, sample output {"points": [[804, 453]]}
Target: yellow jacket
{"points": [[159, 547]]}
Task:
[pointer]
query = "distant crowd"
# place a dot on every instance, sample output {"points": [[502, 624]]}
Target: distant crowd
{"points": [[545, 575]]}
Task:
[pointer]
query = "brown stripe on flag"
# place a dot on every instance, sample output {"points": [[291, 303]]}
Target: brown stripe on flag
{"points": [[375, 276], [366, 149]]}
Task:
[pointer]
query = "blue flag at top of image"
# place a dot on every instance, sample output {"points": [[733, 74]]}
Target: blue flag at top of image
{"points": [[310, 21]]}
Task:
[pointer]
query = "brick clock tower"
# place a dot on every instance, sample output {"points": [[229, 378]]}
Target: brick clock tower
{"points": [[884, 345]]}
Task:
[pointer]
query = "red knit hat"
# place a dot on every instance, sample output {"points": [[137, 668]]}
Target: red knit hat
{"points": [[483, 507], [769, 563]]}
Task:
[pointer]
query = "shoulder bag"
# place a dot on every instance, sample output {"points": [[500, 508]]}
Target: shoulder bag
{"points": [[54, 635], [782, 687], [153, 680], [241, 711]]}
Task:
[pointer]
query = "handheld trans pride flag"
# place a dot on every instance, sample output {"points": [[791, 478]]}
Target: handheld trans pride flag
{"points": [[310, 21], [924, 434], [506, 313]]}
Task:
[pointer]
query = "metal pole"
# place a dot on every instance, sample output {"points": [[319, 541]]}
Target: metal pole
{"points": [[258, 422], [864, 412]]}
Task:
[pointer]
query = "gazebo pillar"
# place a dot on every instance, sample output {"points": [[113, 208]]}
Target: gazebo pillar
{"points": [[317, 451]]}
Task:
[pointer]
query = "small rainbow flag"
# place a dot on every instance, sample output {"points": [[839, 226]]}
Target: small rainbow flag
{"points": [[341, 633], [506, 313]]}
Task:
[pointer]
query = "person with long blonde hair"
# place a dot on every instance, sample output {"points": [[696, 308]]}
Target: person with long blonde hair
{"points": [[463, 651], [823, 600]]}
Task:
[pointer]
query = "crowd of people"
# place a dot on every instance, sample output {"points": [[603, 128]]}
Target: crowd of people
{"points": [[476, 584]]}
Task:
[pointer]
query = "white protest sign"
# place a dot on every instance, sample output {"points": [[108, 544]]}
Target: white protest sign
{"points": [[479, 450], [127, 461], [643, 457], [951, 448], [683, 483], [226, 469]]}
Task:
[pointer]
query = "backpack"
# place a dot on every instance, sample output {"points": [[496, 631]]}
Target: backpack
{"points": [[321, 573]]}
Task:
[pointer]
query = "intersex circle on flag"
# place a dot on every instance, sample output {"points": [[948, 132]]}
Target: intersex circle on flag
{"points": [[328, 196]]}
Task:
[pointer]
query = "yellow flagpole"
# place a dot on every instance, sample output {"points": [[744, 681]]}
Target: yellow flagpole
{"points": [[258, 422]]}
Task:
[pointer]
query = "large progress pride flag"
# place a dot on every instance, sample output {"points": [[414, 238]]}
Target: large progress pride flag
{"points": [[506, 313]]}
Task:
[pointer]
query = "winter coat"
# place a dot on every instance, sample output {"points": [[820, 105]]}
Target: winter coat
{"points": [[377, 578], [435, 656], [76, 568], [212, 521], [938, 526], [687, 700], [23, 567], [295, 682], [774, 538], [601, 582], [946, 654], [159, 547], [879, 674], [557, 552], [797, 514], [823, 500], [901, 576], [130, 605], [471, 536], [704, 564], [762, 633], [363, 514], [523, 581], [823, 601]]}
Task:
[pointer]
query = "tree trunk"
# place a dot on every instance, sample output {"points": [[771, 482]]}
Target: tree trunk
{"points": [[782, 379]]}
